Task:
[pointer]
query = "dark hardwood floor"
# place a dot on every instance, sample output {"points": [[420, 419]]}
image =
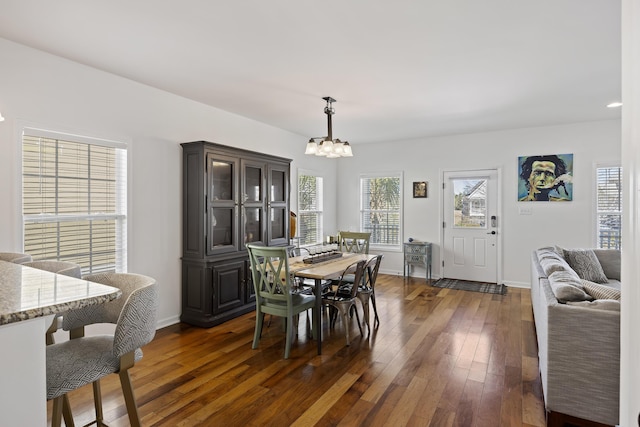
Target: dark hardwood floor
{"points": [[440, 357]]}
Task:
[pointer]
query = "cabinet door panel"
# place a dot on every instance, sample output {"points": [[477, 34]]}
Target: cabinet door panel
{"points": [[228, 285]]}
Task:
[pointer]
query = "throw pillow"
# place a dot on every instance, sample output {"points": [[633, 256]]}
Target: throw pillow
{"points": [[586, 264], [566, 287], [598, 291]]}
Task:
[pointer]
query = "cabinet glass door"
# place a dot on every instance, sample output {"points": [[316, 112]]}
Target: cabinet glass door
{"points": [[222, 204], [278, 187], [253, 203]]}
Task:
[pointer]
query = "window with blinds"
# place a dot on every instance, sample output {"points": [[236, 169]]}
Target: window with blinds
{"points": [[309, 209], [380, 208], [609, 207], [74, 200]]}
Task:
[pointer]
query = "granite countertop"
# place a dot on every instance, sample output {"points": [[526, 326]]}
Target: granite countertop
{"points": [[27, 293]]}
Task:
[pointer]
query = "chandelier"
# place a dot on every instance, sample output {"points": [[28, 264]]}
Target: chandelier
{"points": [[327, 146]]}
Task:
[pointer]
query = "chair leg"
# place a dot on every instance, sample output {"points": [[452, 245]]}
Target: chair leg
{"points": [[364, 299], [129, 398], [56, 416], [376, 321], [97, 402], [289, 338], [345, 322], [358, 320], [258, 331], [66, 411]]}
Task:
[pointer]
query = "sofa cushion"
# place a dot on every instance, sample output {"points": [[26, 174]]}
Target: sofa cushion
{"points": [[598, 291], [586, 264], [600, 304], [566, 286]]}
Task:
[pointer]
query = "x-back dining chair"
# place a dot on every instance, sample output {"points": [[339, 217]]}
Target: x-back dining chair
{"points": [[83, 360], [354, 241], [274, 289]]}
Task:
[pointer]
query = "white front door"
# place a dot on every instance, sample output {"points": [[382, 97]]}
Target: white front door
{"points": [[470, 225]]}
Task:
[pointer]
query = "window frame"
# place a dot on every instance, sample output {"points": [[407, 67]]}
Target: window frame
{"points": [[397, 247], [597, 212], [318, 212], [120, 216]]}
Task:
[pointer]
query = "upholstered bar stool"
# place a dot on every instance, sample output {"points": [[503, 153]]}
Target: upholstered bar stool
{"points": [[83, 360], [14, 257]]}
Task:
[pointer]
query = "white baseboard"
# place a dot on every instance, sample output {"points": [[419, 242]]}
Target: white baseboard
{"points": [[524, 285], [163, 323]]}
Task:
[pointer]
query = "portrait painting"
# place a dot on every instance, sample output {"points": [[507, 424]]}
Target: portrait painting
{"points": [[420, 189], [545, 178]]}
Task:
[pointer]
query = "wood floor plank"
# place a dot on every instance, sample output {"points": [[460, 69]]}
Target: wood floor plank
{"points": [[440, 357]]}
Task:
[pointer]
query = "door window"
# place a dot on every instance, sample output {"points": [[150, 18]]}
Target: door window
{"points": [[470, 203]]}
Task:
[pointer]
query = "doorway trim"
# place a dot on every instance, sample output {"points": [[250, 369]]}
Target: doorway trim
{"points": [[501, 217]]}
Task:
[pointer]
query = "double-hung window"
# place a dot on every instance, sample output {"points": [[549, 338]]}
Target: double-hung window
{"points": [[74, 200], [608, 207], [309, 208], [381, 208]]}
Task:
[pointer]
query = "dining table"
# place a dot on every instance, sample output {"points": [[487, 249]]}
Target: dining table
{"points": [[29, 300], [321, 271]]}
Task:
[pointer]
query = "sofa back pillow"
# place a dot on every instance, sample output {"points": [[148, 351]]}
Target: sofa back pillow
{"points": [[566, 286], [610, 262], [551, 261], [586, 264]]}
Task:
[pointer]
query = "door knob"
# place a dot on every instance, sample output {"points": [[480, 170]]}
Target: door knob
{"points": [[492, 232]]}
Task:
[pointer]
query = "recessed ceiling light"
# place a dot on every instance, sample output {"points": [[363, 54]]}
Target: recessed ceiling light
{"points": [[614, 105]]}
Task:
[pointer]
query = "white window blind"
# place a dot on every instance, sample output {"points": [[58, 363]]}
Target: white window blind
{"points": [[380, 208], [310, 209], [74, 200], [609, 207]]}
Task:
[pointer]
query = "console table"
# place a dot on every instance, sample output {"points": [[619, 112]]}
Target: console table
{"points": [[417, 253]]}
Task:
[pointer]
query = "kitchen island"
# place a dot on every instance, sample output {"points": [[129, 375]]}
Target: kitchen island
{"points": [[29, 300]]}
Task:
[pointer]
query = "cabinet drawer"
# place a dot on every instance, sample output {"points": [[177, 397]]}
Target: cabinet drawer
{"points": [[414, 258]]}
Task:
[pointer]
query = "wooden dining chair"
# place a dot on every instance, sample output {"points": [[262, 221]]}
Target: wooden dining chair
{"points": [[341, 298], [274, 290], [354, 242]]}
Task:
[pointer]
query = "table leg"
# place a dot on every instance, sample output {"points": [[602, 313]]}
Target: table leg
{"points": [[318, 314]]}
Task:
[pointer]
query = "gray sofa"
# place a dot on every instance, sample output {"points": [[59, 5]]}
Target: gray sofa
{"points": [[578, 333]]}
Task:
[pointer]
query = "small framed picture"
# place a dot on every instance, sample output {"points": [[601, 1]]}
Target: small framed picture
{"points": [[420, 189]]}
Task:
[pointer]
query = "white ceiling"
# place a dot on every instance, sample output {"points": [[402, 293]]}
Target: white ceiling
{"points": [[399, 69]]}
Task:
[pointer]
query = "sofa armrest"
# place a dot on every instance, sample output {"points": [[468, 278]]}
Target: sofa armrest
{"points": [[583, 362]]}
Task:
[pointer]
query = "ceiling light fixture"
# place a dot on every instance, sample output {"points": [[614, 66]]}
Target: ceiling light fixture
{"points": [[614, 105], [327, 146], [1, 118]]}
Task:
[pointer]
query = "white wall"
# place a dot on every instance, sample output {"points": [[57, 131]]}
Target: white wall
{"points": [[630, 315], [570, 224], [50, 92], [45, 90]]}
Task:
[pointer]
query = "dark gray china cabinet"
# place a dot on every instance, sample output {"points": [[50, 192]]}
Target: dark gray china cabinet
{"points": [[231, 197]]}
